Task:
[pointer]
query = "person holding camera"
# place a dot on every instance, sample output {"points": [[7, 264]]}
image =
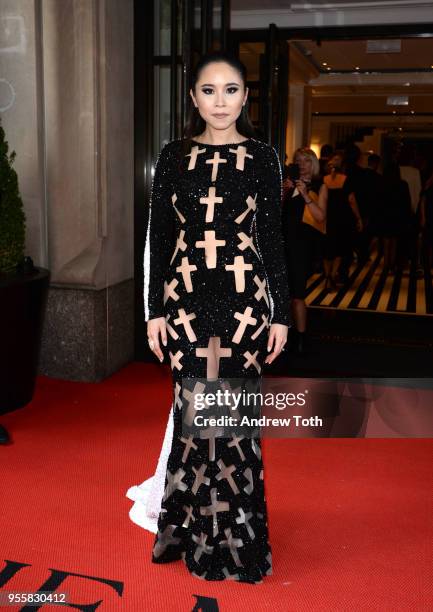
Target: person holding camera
{"points": [[304, 215]]}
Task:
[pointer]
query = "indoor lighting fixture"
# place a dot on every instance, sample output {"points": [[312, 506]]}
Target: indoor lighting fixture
{"points": [[324, 63]]}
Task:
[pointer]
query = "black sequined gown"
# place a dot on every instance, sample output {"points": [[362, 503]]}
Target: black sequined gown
{"points": [[214, 267]]}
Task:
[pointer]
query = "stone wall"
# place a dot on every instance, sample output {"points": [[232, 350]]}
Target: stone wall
{"points": [[66, 100]]}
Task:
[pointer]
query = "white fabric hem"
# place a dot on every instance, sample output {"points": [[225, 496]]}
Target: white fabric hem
{"points": [[148, 495]]}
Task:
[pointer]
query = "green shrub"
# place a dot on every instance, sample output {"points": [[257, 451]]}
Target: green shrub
{"points": [[12, 216]]}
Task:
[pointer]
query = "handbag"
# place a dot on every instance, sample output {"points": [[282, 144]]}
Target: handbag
{"points": [[308, 218]]}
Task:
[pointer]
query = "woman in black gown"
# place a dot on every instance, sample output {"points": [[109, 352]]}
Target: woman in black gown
{"points": [[215, 293]]}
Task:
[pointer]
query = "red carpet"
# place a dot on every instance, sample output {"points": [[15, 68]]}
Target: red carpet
{"points": [[350, 519]]}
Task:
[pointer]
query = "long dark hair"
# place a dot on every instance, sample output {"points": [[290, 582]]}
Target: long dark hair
{"points": [[195, 124]]}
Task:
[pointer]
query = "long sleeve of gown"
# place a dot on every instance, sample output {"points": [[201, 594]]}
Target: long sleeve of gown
{"points": [[159, 236], [270, 237]]}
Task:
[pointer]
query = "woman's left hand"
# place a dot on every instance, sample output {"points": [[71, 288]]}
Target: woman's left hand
{"points": [[302, 188], [276, 341]]}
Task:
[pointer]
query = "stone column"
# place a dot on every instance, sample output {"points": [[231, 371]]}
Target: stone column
{"points": [[80, 62]]}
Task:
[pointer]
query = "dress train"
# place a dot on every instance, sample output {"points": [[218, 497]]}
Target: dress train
{"points": [[148, 495]]}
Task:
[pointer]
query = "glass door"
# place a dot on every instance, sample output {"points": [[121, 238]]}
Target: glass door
{"points": [[265, 54], [184, 30]]}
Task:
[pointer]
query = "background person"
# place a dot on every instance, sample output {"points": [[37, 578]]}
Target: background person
{"points": [[306, 191]]}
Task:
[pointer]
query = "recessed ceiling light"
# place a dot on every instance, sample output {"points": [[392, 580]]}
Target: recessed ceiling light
{"points": [[324, 63]]}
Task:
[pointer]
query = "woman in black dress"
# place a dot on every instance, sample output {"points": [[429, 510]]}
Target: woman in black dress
{"points": [[395, 215], [215, 294], [307, 191], [342, 220]]}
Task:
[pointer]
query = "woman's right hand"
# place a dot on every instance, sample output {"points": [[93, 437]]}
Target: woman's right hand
{"points": [[156, 328]]}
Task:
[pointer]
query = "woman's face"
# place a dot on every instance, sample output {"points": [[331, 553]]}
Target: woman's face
{"points": [[335, 163], [219, 91], [305, 165]]}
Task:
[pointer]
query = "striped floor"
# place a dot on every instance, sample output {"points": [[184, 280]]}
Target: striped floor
{"points": [[371, 288]]}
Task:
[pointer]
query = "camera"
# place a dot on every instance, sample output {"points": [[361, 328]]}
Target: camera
{"points": [[292, 172]]}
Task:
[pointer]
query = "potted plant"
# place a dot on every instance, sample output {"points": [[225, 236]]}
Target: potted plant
{"points": [[23, 294]]}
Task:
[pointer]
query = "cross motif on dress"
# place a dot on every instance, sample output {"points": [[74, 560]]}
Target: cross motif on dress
{"points": [[233, 544], [189, 516], [251, 205], [252, 360], [241, 155], [195, 151], [269, 560], [185, 269], [230, 576], [235, 442], [175, 360], [213, 509], [244, 518], [226, 472], [177, 400], [202, 547], [189, 445], [200, 478], [184, 319], [210, 245], [261, 328], [209, 434], [173, 333], [261, 292], [164, 539], [215, 162], [239, 267], [210, 201], [208, 353], [234, 411], [169, 290], [179, 214], [249, 476], [180, 244], [244, 319], [246, 241], [191, 412], [174, 482]]}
